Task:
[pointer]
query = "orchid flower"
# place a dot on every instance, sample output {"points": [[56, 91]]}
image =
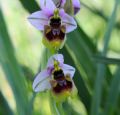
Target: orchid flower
{"points": [[63, 4], [54, 23], [57, 77]]}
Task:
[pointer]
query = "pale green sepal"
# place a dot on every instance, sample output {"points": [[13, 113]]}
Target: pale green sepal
{"points": [[68, 7]]}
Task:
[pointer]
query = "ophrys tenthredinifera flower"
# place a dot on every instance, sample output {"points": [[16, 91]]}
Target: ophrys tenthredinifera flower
{"points": [[57, 77], [54, 23]]}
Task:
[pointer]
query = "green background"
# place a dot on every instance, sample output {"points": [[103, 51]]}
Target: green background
{"points": [[93, 49]]}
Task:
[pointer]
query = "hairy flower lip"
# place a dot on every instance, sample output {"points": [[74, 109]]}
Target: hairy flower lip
{"points": [[53, 33], [61, 82], [42, 79]]}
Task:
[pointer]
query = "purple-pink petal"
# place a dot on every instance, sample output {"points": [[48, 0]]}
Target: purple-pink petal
{"points": [[67, 69], [41, 81], [38, 20], [68, 21], [58, 57], [76, 5], [63, 2], [47, 6]]}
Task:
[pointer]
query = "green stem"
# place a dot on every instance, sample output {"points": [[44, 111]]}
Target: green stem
{"points": [[53, 107], [56, 108], [60, 108]]}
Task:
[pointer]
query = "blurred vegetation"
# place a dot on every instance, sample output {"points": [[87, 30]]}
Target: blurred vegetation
{"points": [[93, 48]]}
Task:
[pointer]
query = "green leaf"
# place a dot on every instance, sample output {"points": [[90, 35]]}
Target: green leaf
{"points": [[99, 13], [81, 50], [105, 60], [12, 69], [68, 7], [114, 89], [31, 104], [83, 91], [30, 5], [44, 59], [70, 108], [101, 67], [4, 107]]}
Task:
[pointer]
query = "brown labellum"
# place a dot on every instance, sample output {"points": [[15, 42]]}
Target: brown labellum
{"points": [[61, 82], [54, 31]]}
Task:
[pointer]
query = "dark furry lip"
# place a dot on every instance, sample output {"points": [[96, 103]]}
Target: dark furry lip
{"points": [[54, 31], [62, 86], [62, 83]]}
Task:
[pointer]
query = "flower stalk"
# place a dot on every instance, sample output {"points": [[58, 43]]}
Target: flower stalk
{"points": [[55, 20], [59, 108]]}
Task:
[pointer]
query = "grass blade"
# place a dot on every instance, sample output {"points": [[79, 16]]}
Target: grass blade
{"points": [[83, 91], [112, 99], [99, 13], [101, 67], [105, 60], [30, 5], [81, 49], [4, 107], [12, 69]]}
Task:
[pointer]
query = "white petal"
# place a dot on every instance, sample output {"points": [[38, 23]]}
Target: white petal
{"points": [[38, 20], [69, 22], [48, 6], [67, 69], [58, 57], [41, 81]]}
